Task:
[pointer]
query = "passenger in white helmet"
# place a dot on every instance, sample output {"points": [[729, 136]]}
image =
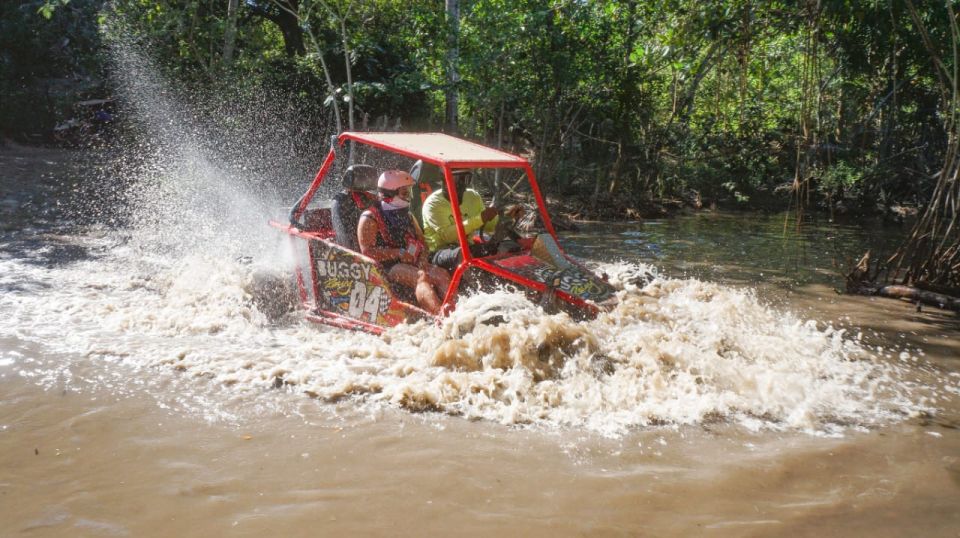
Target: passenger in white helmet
{"points": [[389, 234]]}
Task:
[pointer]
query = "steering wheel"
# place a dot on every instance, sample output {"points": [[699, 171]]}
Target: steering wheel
{"points": [[504, 228]]}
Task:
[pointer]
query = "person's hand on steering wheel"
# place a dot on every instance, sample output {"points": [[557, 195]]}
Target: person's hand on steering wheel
{"points": [[503, 229]]}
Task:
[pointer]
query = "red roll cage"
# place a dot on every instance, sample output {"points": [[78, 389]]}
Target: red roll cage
{"points": [[448, 153]]}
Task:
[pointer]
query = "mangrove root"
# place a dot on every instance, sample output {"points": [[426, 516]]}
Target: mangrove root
{"points": [[861, 280]]}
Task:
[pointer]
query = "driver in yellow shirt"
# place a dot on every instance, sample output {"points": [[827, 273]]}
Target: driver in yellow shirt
{"points": [[440, 229]]}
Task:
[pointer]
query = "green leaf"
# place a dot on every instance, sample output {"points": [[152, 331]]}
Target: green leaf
{"points": [[50, 6]]}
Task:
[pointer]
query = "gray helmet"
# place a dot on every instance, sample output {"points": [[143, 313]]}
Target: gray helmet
{"points": [[360, 177]]}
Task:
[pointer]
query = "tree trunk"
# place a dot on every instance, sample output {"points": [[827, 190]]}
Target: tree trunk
{"points": [[292, 35], [932, 252], [497, 172], [686, 104], [930, 257], [287, 19], [230, 34], [917, 295], [290, 10], [859, 281], [346, 65], [332, 92], [453, 60], [626, 98]]}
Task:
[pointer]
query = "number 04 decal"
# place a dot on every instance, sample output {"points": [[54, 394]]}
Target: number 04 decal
{"points": [[361, 303]]}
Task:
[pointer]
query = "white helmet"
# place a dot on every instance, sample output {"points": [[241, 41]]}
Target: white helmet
{"points": [[392, 180]]}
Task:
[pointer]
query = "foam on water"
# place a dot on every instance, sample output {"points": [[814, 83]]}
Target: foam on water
{"points": [[673, 352], [180, 292]]}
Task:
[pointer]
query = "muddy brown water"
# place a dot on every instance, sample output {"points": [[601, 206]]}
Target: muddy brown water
{"points": [[102, 435]]}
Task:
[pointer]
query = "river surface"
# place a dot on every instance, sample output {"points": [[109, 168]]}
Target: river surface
{"points": [[149, 387]]}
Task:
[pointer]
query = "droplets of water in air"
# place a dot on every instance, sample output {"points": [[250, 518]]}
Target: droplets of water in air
{"points": [[182, 198], [206, 164]]}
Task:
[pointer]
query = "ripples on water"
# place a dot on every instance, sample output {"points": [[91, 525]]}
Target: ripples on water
{"points": [[747, 248]]}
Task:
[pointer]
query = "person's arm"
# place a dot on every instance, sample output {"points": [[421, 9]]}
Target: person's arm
{"points": [[472, 204], [367, 239], [486, 217], [424, 255]]}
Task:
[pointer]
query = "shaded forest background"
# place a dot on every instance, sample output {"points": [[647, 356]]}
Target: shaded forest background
{"points": [[835, 105]]}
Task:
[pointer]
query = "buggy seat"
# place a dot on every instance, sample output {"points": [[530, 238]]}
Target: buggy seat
{"points": [[358, 181]]}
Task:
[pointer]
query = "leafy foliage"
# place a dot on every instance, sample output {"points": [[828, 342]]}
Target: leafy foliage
{"points": [[727, 101]]}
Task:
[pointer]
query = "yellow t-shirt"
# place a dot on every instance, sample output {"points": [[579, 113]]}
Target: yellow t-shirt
{"points": [[439, 228]]}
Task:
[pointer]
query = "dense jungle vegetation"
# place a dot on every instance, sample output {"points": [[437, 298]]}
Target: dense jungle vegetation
{"points": [[847, 106]]}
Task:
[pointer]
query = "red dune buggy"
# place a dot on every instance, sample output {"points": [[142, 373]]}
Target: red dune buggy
{"points": [[341, 287]]}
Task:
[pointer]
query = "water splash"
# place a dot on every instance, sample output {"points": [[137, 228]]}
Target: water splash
{"points": [[676, 352], [178, 293], [209, 165]]}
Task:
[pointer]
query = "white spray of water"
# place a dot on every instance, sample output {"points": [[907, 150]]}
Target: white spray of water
{"points": [[190, 194]]}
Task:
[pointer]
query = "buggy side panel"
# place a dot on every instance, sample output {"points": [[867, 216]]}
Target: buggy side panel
{"points": [[568, 278], [350, 285]]}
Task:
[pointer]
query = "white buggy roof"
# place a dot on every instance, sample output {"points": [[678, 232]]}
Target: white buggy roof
{"points": [[440, 149]]}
